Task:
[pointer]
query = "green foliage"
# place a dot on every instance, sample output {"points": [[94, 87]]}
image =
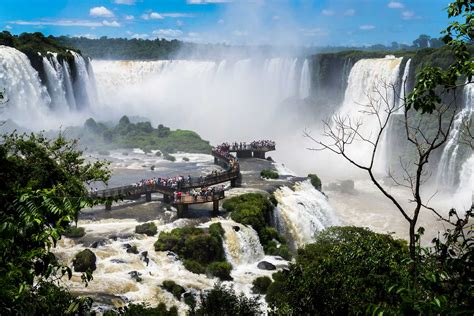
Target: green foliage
{"points": [[175, 289], [432, 82], [194, 245], [315, 181], [149, 229], [139, 135], [74, 232], [41, 193], [194, 266], [269, 174], [343, 272], [216, 230], [220, 270], [261, 284], [222, 300], [143, 309]]}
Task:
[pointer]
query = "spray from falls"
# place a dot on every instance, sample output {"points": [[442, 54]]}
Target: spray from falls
{"points": [[305, 81], [241, 243]]}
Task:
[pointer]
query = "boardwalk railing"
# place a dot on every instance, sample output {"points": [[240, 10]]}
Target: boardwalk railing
{"points": [[188, 199]]}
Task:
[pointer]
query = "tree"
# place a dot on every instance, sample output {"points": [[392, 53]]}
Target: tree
{"points": [[41, 193], [344, 271], [433, 102], [422, 41]]}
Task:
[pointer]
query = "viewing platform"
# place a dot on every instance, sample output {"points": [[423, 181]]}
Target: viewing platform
{"points": [[170, 187]]}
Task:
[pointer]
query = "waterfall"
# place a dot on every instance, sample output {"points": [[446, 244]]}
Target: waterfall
{"points": [[55, 85], [241, 243], [67, 75], [448, 167], [22, 85], [401, 99], [302, 213], [305, 81], [83, 86], [366, 84]]}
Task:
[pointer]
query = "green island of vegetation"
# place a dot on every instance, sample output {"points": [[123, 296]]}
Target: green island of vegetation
{"points": [[125, 134]]}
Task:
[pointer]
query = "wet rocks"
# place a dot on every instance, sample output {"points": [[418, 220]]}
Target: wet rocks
{"points": [[265, 265], [236, 228], [132, 249], [136, 276], [148, 229], [84, 261], [99, 243]]}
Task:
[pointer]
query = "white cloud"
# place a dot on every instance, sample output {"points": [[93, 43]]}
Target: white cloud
{"points": [[207, 1], [129, 17], [193, 34], [410, 15], [177, 15], [350, 12], [167, 33], [8, 27], [152, 16], [101, 12], [85, 23], [221, 21], [111, 23], [275, 17], [313, 32], [395, 5], [240, 33], [179, 23], [367, 27], [127, 2], [328, 12]]}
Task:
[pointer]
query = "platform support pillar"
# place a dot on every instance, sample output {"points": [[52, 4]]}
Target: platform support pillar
{"points": [[148, 196], [108, 205]]}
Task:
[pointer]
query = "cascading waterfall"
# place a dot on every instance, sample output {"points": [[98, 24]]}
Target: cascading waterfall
{"points": [[67, 75], [305, 80], [241, 243], [23, 89], [83, 85], [55, 83], [448, 171], [367, 83], [301, 213]]}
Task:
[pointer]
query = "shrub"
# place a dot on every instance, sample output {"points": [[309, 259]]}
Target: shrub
{"points": [[194, 266], [143, 309], [269, 174], [74, 232], [185, 159], [315, 181], [216, 230], [175, 289], [343, 272], [222, 300], [261, 284], [149, 229], [220, 270]]}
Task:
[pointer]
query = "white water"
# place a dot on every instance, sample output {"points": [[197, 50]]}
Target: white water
{"points": [[448, 169], [302, 213], [27, 98], [401, 99], [366, 86], [39, 105], [242, 246], [305, 81]]}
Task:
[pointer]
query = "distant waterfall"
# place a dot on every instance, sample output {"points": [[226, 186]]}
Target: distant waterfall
{"points": [[301, 213], [83, 85], [448, 169], [305, 80], [401, 99], [366, 84]]}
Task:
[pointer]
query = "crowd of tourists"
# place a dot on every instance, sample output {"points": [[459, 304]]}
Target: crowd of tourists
{"points": [[256, 144], [204, 193]]}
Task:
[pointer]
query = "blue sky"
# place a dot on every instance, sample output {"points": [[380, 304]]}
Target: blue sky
{"points": [[290, 22]]}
